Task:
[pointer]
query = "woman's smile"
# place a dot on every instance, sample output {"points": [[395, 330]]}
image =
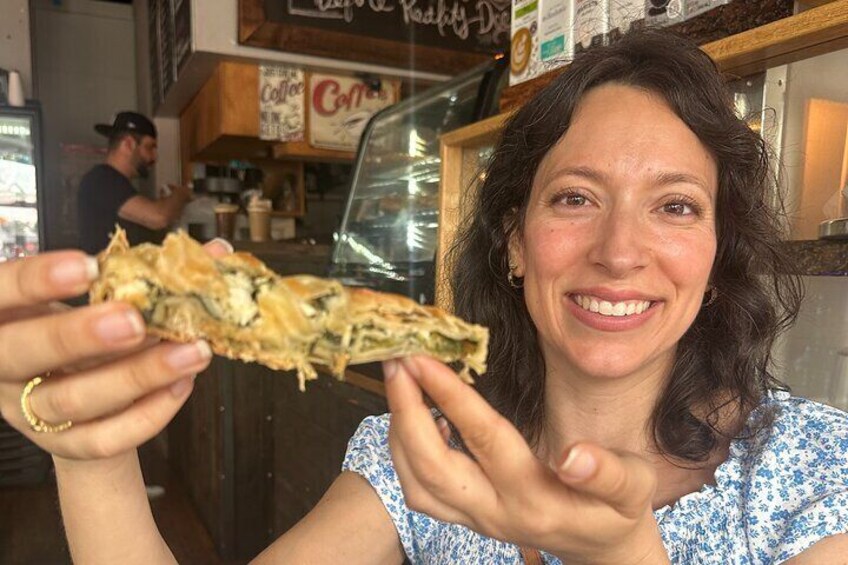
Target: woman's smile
{"points": [[610, 315]]}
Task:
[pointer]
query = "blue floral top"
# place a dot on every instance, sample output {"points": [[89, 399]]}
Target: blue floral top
{"points": [[777, 494]]}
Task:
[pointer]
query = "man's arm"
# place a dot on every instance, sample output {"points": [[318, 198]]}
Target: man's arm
{"points": [[156, 214]]}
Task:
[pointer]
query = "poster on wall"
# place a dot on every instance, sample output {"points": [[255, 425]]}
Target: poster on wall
{"points": [[281, 104], [340, 107]]}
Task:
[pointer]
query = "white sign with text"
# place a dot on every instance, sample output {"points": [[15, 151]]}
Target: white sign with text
{"points": [[281, 103]]}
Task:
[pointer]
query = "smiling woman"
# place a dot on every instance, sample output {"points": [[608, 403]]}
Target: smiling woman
{"points": [[633, 167], [623, 256]]}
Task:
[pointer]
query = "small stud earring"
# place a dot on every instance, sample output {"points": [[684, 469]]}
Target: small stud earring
{"points": [[711, 295]]}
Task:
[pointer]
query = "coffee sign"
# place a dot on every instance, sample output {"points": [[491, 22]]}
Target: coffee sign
{"points": [[281, 103], [340, 107]]}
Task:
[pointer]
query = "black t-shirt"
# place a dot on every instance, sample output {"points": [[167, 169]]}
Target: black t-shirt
{"points": [[102, 192]]}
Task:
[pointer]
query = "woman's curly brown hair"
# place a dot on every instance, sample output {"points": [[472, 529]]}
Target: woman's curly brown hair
{"points": [[725, 355]]}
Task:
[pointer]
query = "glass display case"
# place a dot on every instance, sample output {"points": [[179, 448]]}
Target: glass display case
{"points": [[388, 236]]}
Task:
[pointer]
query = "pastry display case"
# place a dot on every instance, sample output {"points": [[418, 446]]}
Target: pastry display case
{"points": [[389, 233]]}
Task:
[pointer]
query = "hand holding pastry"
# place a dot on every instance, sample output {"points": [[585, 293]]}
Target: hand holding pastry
{"points": [[84, 383], [594, 507]]}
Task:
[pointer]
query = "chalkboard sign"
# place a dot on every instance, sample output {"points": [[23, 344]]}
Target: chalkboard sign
{"points": [[445, 36]]}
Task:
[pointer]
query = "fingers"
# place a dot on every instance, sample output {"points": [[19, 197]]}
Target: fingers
{"points": [[45, 277], [440, 481], [485, 432], [110, 436], [444, 429], [67, 338], [624, 481], [218, 247], [113, 387], [416, 496]]}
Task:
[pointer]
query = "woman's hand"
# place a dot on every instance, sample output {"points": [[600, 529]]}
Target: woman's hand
{"points": [[595, 507], [117, 387]]}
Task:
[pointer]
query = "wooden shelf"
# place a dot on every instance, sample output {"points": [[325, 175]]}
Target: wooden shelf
{"points": [[222, 123], [820, 29], [302, 151]]}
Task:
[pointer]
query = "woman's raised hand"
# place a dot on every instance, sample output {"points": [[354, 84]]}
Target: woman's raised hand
{"points": [[99, 372], [595, 506]]}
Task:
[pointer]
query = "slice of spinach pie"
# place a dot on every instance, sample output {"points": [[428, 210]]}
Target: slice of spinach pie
{"points": [[246, 311]]}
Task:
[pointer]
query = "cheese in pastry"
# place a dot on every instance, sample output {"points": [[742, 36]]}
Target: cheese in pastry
{"points": [[246, 311]]}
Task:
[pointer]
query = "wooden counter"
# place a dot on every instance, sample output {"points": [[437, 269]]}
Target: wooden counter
{"points": [[254, 453]]}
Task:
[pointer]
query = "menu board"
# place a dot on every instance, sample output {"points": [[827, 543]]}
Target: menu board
{"points": [[477, 25], [447, 36]]}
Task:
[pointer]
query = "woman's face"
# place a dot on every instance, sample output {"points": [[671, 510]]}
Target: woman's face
{"points": [[619, 236]]}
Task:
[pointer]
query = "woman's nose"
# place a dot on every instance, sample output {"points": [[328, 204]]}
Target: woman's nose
{"points": [[620, 245]]}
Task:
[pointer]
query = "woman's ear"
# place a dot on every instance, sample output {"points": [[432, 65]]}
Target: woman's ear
{"points": [[516, 252]]}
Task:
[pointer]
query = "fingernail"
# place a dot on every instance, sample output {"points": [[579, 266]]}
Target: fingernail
{"points": [[443, 426], [188, 355], [390, 368], [75, 271], [411, 366], [223, 243], [119, 326], [579, 464], [181, 387]]}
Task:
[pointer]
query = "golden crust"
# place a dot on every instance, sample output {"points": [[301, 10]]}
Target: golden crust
{"points": [[246, 311]]}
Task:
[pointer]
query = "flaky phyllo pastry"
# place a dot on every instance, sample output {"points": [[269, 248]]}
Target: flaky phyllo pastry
{"points": [[246, 311]]}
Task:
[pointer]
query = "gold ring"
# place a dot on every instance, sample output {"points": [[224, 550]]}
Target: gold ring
{"points": [[35, 423]]}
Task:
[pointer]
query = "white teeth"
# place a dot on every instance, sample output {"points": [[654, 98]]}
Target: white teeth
{"points": [[606, 308]]}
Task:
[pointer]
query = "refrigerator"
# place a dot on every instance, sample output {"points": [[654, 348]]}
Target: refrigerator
{"points": [[388, 233], [22, 229]]}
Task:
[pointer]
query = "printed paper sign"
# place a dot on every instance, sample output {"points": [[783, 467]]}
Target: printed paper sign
{"points": [[340, 107], [281, 104]]}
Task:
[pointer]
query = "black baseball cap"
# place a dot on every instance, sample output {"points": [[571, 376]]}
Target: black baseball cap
{"points": [[131, 122]]}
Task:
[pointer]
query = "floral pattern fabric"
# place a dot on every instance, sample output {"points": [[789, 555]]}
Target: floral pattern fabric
{"points": [[777, 494]]}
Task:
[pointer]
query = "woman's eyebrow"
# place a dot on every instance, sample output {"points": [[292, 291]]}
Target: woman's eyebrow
{"points": [[663, 178], [581, 171]]}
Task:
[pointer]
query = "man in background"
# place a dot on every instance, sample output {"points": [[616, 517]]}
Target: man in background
{"points": [[107, 197]]}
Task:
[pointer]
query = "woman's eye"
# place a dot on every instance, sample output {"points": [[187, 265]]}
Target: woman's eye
{"points": [[574, 200], [678, 209]]}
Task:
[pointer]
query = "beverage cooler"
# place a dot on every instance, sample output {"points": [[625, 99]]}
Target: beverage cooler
{"points": [[21, 202], [388, 235], [21, 234]]}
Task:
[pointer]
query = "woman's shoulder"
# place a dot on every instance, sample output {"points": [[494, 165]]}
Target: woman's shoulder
{"points": [[794, 475], [791, 431]]}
